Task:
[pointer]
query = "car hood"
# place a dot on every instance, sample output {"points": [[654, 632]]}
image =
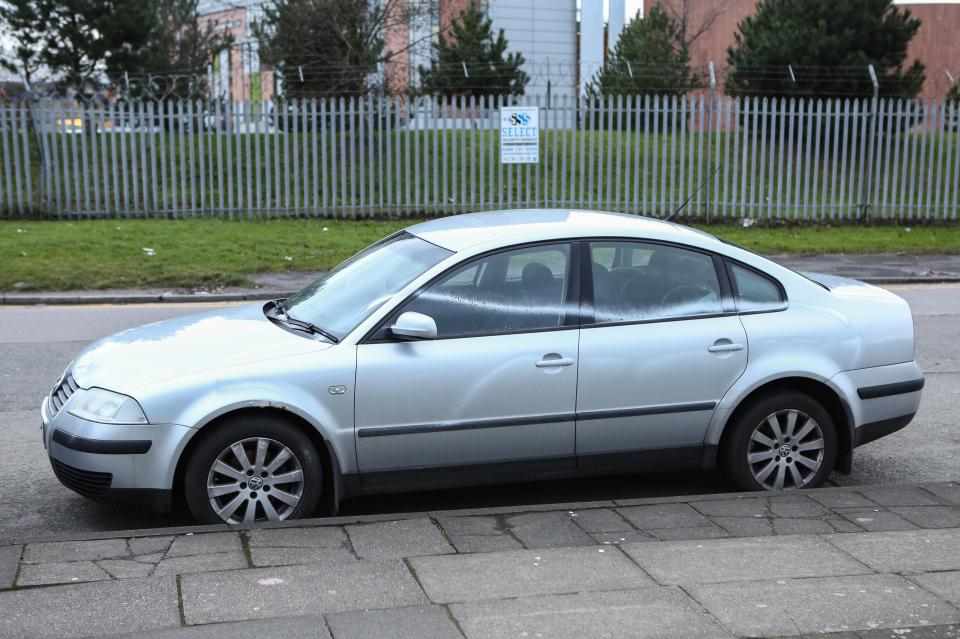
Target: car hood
{"points": [[187, 345]]}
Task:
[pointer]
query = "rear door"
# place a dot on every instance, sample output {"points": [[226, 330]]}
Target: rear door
{"points": [[663, 348]]}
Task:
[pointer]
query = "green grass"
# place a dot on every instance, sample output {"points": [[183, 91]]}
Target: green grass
{"points": [[268, 174], [50, 256]]}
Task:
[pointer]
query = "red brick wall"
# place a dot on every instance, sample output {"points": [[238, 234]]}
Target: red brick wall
{"points": [[937, 43]]}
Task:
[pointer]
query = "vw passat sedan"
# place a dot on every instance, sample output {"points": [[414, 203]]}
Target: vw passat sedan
{"points": [[492, 347]]}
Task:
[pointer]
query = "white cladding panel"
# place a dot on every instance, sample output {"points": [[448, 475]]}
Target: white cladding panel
{"points": [[545, 32], [591, 40]]}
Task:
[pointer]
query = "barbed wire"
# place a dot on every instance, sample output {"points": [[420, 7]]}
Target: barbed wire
{"points": [[317, 76]]}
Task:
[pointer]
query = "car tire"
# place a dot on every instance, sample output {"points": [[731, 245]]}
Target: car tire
{"points": [[753, 457], [254, 487]]}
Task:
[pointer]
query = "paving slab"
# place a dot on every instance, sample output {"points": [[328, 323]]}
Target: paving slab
{"points": [[59, 551], [149, 545], [745, 526], [317, 537], [787, 607], [655, 516], [201, 563], [484, 543], [397, 539], [597, 520], [943, 584], [718, 560], [126, 568], [945, 491], [795, 506], [710, 531], [736, 507], [520, 573], [294, 627], [785, 526], [417, 622], [239, 595], [548, 530], [60, 573], [9, 561], [876, 520], [951, 631], [263, 557], [903, 551], [930, 516], [131, 605], [205, 544], [620, 538], [840, 498], [897, 495], [640, 614]]}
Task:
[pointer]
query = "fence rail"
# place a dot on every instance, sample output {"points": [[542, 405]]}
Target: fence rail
{"points": [[354, 157]]}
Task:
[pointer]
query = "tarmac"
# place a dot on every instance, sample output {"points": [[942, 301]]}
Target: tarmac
{"points": [[865, 562]]}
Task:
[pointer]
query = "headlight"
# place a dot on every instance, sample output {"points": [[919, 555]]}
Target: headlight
{"points": [[107, 407]]}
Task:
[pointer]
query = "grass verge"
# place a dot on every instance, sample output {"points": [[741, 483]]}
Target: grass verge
{"points": [[100, 254]]}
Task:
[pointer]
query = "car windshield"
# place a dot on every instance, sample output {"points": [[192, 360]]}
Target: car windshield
{"points": [[346, 296]]}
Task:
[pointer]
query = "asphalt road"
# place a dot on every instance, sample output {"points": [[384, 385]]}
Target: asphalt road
{"points": [[37, 342]]}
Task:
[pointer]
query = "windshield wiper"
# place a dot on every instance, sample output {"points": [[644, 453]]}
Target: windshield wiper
{"points": [[284, 316]]}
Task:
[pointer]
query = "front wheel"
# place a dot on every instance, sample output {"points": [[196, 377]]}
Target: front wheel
{"points": [[783, 441], [253, 468]]}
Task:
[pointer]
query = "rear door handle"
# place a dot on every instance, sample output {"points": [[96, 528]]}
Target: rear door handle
{"points": [[548, 362], [725, 348]]}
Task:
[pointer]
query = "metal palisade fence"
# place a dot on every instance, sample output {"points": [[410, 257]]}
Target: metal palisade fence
{"points": [[797, 158]]}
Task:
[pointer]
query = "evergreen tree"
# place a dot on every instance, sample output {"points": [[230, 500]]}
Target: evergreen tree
{"points": [[471, 61], [649, 59], [328, 47], [22, 22], [828, 44]]}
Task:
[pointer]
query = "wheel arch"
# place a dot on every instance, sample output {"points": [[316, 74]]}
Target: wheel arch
{"points": [[820, 390], [332, 490]]}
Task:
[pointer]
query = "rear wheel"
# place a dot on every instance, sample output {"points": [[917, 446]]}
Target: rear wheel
{"points": [[782, 441], [253, 468]]}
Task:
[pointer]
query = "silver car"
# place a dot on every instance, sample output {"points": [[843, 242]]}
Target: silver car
{"points": [[491, 347]]}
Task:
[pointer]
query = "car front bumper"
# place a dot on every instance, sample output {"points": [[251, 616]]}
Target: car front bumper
{"points": [[133, 463]]}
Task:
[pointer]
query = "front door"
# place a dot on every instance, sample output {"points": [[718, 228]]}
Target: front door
{"points": [[493, 395], [657, 361]]}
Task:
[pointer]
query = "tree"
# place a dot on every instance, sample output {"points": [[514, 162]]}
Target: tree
{"points": [[24, 25], [953, 95], [85, 38], [181, 49], [693, 17], [469, 60], [828, 45], [335, 46], [649, 59]]}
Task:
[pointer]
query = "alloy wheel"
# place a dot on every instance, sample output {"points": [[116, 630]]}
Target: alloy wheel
{"points": [[786, 450], [255, 479]]}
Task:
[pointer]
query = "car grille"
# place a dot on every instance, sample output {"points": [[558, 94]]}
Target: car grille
{"points": [[85, 482], [64, 389]]}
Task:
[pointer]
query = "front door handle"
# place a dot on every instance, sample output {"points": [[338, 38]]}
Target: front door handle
{"points": [[725, 346], [553, 359]]}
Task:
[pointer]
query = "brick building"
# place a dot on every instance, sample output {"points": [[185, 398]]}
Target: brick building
{"points": [[936, 44]]}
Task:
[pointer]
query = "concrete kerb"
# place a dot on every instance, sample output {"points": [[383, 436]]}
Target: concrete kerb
{"points": [[57, 299], [437, 514]]}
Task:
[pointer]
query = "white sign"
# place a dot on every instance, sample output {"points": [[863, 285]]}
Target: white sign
{"points": [[519, 135]]}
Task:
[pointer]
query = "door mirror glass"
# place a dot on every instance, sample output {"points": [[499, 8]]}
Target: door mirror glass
{"points": [[414, 326]]}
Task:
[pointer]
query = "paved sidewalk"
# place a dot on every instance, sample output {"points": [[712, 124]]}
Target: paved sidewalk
{"points": [[865, 562], [876, 269]]}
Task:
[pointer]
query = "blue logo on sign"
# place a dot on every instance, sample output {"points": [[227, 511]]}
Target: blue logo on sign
{"points": [[518, 119]]}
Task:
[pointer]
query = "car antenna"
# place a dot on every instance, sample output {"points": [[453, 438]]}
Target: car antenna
{"points": [[690, 197]]}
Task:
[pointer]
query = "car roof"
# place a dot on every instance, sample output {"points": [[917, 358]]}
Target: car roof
{"points": [[461, 232]]}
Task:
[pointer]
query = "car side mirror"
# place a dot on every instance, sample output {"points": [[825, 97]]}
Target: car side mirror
{"points": [[412, 325]]}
